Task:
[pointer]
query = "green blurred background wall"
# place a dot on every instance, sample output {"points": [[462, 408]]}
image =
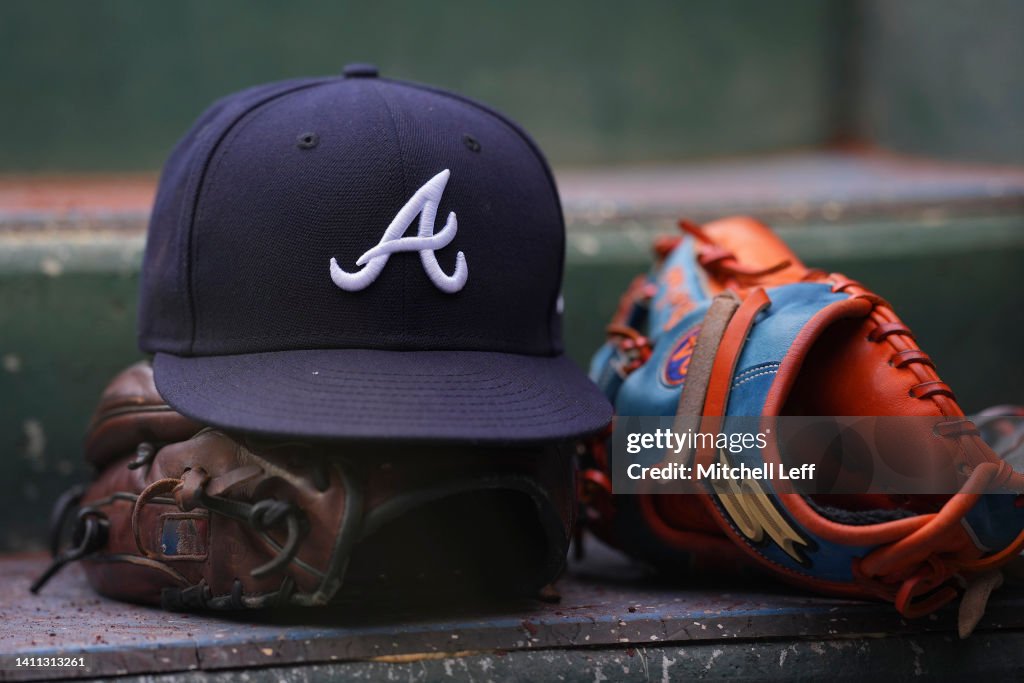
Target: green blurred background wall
{"points": [[596, 80], [111, 84], [942, 77]]}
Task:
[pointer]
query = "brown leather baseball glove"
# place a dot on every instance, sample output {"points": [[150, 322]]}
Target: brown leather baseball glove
{"points": [[191, 517]]}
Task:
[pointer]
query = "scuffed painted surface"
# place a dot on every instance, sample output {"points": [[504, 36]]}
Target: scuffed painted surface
{"points": [[648, 630]]}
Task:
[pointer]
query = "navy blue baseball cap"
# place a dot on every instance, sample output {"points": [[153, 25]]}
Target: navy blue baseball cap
{"points": [[356, 257]]}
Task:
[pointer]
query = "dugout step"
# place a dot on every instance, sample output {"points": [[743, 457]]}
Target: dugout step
{"points": [[613, 617]]}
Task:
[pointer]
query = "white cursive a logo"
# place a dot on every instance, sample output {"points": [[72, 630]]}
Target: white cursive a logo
{"points": [[424, 203]]}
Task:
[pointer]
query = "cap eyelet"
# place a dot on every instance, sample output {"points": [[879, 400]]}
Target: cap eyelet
{"points": [[307, 140], [471, 143]]}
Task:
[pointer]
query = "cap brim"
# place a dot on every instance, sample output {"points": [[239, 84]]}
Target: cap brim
{"points": [[372, 394]]}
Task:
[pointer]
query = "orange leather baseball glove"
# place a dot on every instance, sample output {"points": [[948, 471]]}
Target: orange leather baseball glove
{"points": [[730, 323]]}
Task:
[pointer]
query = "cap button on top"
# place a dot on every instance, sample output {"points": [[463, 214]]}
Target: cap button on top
{"points": [[360, 70]]}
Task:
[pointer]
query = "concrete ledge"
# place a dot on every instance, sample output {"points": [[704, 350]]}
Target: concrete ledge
{"points": [[793, 189], [79, 202], [55, 224], [796, 188], [614, 618]]}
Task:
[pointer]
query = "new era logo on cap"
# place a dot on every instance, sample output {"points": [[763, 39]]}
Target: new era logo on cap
{"points": [[285, 290]]}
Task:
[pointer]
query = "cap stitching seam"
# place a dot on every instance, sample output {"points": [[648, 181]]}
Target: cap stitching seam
{"points": [[208, 167], [405, 192]]}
